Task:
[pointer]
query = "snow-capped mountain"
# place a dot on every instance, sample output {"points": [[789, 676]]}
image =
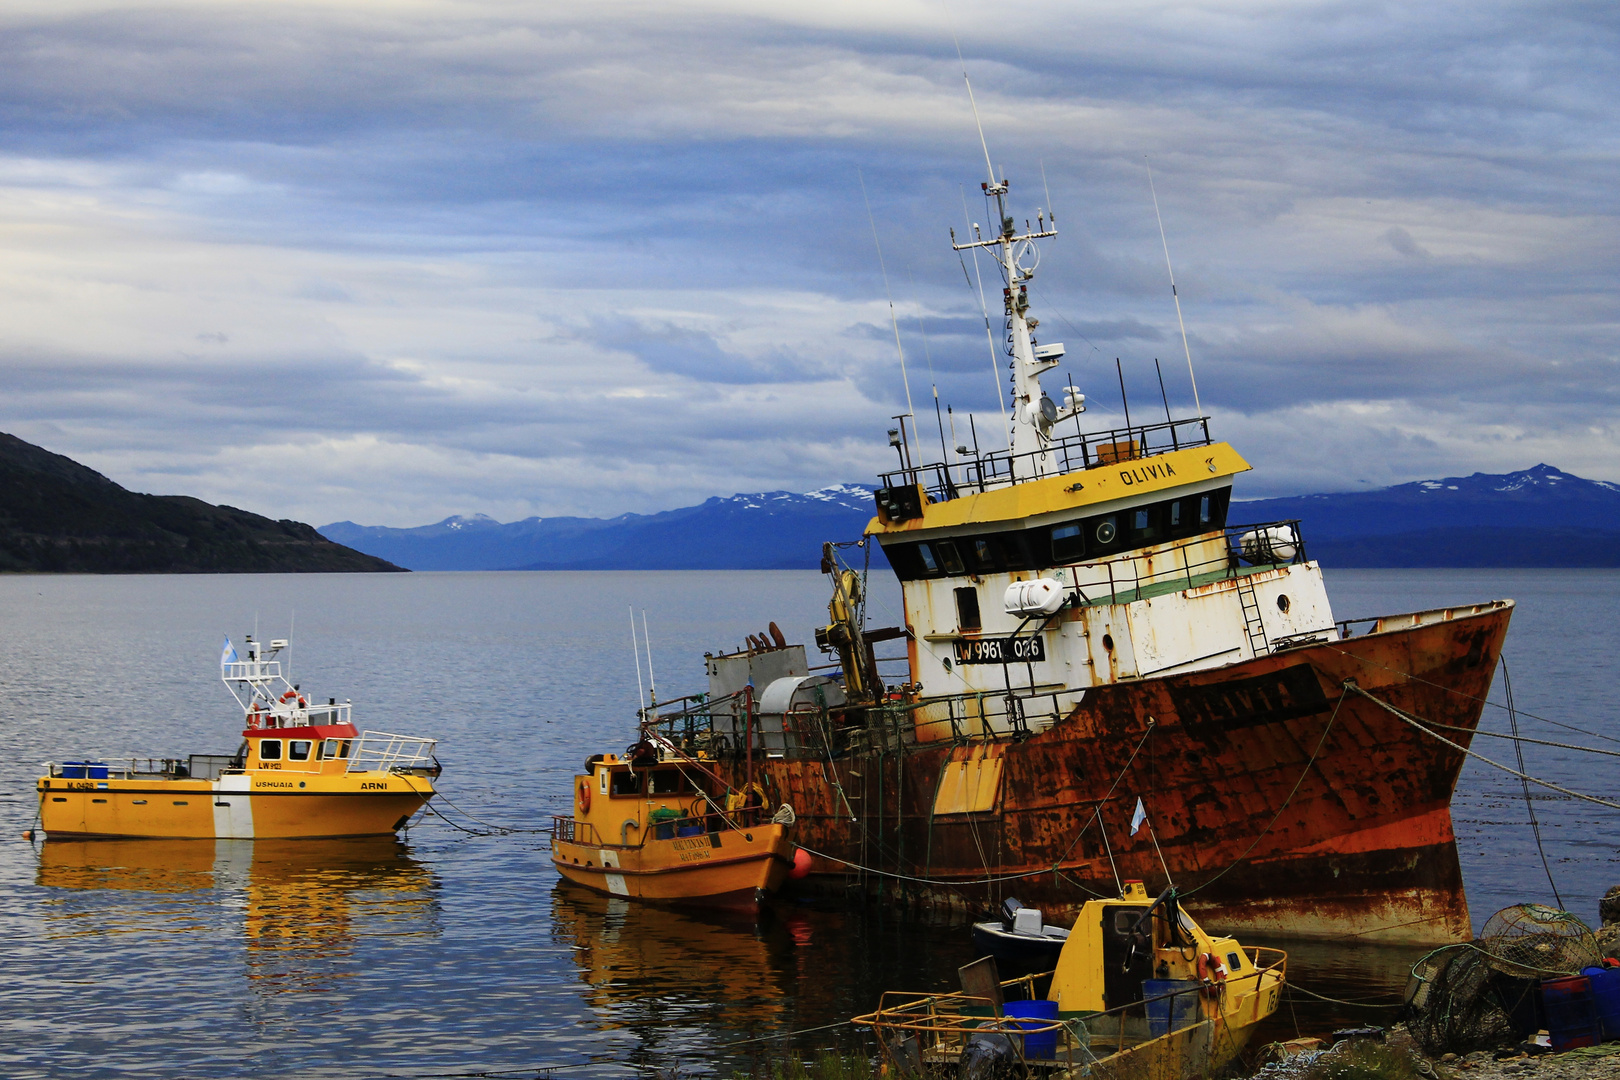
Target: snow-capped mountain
{"points": [[1539, 498], [766, 530], [1538, 517]]}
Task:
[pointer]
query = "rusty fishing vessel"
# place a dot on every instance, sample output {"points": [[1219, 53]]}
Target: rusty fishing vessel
{"points": [[1083, 627]]}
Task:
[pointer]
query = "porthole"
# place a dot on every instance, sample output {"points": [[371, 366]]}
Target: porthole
{"points": [[1106, 531], [1282, 603], [1108, 642]]}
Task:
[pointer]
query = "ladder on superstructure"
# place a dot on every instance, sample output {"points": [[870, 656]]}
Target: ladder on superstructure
{"points": [[1253, 625]]}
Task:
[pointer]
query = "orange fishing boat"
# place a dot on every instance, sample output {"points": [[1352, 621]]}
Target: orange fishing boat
{"points": [[653, 826]]}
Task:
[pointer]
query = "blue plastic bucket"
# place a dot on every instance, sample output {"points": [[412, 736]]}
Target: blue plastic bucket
{"points": [[1172, 1013], [1606, 992], [1572, 1015], [1038, 1045]]}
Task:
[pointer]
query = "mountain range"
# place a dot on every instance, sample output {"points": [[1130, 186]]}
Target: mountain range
{"points": [[1538, 517], [59, 516], [772, 530]]}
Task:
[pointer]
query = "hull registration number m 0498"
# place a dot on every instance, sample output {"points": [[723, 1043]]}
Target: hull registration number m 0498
{"points": [[1001, 650]]}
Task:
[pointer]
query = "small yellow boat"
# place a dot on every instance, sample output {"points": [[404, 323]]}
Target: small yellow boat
{"points": [[657, 826], [303, 770], [1140, 990]]}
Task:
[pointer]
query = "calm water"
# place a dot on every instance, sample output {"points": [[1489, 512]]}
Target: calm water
{"points": [[449, 953]]}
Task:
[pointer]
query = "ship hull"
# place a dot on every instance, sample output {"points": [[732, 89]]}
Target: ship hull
{"points": [[1279, 801], [245, 806], [734, 868]]}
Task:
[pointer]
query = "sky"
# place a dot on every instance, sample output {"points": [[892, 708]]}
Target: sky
{"points": [[389, 261]]}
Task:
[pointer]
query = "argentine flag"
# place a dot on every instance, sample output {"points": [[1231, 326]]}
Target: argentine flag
{"points": [[1139, 818], [227, 655]]}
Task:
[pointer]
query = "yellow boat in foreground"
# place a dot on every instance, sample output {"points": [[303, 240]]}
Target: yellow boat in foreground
{"points": [[1139, 991], [649, 828], [302, 770]]}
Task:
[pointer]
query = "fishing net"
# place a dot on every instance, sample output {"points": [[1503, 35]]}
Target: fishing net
{"points": [[1480, 995], [1529, 941]]}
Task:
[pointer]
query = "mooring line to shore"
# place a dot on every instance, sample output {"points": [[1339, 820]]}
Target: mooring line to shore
{"points": [[1291, 985], [1471, 697], [1350, 685]]}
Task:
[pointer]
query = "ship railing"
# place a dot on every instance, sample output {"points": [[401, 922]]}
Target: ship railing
{"points": [[569, 830], [944, 481], [382, 751], [1379, 624], [1189, 564], [251, 671]]}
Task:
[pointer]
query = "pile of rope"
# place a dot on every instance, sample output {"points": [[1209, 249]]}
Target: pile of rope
{"points": [[1485, 993]]}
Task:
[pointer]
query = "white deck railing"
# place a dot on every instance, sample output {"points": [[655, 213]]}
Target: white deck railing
{"points": [[380, 751]]}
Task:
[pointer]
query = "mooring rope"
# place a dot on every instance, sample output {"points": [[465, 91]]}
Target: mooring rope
{"points": [[1471, 697], [1350, 685]]}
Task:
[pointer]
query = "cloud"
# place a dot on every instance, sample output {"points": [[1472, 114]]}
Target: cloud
{"points": [[433, 258]]}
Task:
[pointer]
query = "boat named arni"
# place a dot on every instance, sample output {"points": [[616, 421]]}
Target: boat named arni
{"points": [[302, 770], [1083, 627]]}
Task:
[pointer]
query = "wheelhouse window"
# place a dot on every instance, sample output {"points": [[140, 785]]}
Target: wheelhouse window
{"points": [[298, 749], [1045, 546], [269, 749], [967, 608], [667, 782], [335, 748], [1145, 525], [1068, 543], [626, 783]]}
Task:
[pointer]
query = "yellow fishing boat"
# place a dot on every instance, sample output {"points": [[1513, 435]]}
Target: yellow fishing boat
{"points": [[659, 826], [1140, 990], [303, 770]]}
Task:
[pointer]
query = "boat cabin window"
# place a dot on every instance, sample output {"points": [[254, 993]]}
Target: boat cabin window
{"points": [[1068, 542], [298, 749], [668, 782], [1125, 921], [967, 608], [1234, 962], [269, 749], [335, 748], [626, 783]]}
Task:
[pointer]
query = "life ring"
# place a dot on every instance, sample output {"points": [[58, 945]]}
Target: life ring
{"points": [[289, 695], [253, 718], [1202, 966], [584, 795]]}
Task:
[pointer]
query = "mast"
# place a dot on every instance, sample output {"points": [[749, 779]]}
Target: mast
{"points": [[1033, 414]]}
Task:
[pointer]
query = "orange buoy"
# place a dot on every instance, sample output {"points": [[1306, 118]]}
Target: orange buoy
{"points": [[801, 864]]}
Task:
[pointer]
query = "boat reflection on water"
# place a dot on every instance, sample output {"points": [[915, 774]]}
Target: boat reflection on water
{"points": [[658, 969], [305, 905]]}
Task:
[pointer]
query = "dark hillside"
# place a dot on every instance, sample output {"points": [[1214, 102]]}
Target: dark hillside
{"points": [[57, 516]]}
